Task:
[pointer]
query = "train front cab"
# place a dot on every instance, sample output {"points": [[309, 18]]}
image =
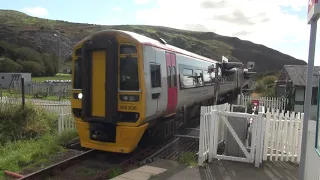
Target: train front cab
{"points": [[108, 86]]}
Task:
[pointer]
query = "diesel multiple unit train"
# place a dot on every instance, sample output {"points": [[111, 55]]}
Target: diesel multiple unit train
{"points": [[130, 89]]}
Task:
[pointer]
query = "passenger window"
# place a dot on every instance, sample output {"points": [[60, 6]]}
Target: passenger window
{"points": [[77, 83], [188, 80], [174, 76], [155, 75], [206, 78], [169, 76], [198, 76], [127, 49]]}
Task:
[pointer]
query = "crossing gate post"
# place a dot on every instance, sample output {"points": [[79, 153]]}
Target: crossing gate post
{"points": [[258, 143], [201, 138], [212, 123]]}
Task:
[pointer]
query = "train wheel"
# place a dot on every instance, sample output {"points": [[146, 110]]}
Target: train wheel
{"points": [[145, 139]]}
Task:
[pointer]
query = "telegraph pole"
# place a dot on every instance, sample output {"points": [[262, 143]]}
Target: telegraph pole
{"points": [[59, 51], [313, 16], [216, 83]]}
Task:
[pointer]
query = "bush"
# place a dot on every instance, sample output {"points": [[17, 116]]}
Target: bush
{"points": [[268, 80], [18, 123], [28, 60], [33, 67], [8, 65], [28, 54], [266, 86], [67, 136]]}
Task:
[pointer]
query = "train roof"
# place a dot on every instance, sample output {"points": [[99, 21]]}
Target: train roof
{"points": [[150, 42], [155, 43]]}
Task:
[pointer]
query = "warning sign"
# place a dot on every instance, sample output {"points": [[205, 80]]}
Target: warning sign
{"points": [[255, 102]]}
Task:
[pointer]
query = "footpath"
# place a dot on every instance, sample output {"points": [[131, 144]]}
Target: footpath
{"points": [[219, 170]]}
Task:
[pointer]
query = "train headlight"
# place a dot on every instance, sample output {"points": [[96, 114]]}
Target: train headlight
{"points": [[125, 98], [131, 98], [80, 95]]}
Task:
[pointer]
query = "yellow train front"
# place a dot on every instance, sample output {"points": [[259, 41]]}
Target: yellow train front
{"points": [[128, 87], [107, 103]]}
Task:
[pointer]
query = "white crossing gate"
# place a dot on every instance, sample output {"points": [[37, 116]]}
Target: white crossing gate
{"points": [[214, 124], [205, 122]]}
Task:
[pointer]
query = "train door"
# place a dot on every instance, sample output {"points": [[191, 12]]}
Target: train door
{"points": [[172, 82], [154, 96]]}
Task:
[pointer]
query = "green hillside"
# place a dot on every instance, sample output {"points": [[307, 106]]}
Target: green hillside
{"points": [[32, 44]]}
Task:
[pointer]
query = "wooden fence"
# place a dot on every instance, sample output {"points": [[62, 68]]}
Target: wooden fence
{"points": [[51, 106], [267, 102], [66, 122], [282, 137]]}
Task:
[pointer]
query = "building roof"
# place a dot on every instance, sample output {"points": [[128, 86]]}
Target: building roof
{"points": [[298, 74]]}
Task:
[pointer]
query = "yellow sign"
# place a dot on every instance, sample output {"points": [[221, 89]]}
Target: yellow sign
{"points": [[128, 107]]}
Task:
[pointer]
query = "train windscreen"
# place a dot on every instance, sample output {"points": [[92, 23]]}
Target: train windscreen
{"points": [[77, 74], [129, 79]]}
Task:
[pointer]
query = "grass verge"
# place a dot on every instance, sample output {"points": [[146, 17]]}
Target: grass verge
{"points": [[115, 172], [188, 158], [19, 154], [28, 137]]}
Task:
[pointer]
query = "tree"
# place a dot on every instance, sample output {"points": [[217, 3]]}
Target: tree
{"points": [[28, 54], [49, 66], [8, 65], [33, 67]]}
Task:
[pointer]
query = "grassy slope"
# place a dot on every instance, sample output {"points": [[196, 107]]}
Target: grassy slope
{"points": [[38, 34], [56, 77]]}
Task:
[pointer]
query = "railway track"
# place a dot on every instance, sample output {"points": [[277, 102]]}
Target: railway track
{"points": [[95, 165]]}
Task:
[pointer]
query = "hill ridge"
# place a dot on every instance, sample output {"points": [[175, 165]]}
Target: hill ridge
{"points": [[21, 30]]}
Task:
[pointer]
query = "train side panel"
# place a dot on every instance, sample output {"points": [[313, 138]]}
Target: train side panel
{"points": [[150, 63], [192, 91], [155, 75]]}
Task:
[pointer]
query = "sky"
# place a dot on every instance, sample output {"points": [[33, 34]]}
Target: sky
{"points": [[278, 24]]}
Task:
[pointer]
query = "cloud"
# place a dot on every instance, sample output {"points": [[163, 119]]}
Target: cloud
{"points": [[36, 11], [263, 22], [141, 1], [117, 9]]}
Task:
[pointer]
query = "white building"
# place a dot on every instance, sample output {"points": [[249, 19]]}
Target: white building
{"points": [[8, 80], [291, 84]]}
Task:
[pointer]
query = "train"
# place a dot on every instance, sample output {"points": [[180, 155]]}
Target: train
{"points": [[130, 90]]}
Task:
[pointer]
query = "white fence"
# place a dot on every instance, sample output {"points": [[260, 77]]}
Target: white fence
{"points": [[51, 106], [275, 135], [267, 102], [283, 133], [65, 122]]}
